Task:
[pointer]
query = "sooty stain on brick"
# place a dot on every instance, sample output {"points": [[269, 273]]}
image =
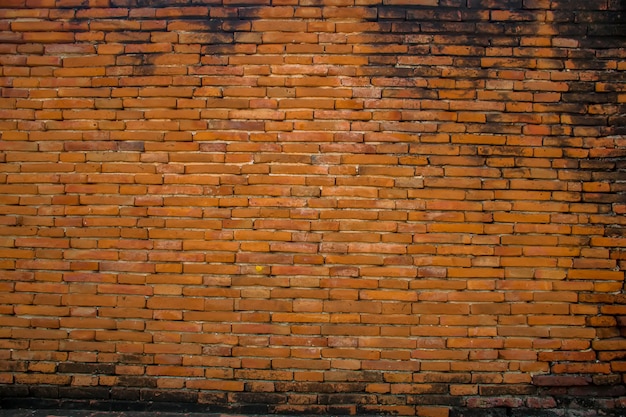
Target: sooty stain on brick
{"points": [[153, 3]]}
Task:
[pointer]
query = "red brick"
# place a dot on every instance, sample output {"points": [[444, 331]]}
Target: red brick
{"points": [[343, 191]]}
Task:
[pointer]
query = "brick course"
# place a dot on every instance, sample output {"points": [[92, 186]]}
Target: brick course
{"points": [[314, 206]]}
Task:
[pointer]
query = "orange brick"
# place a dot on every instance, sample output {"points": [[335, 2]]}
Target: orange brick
{"points": [[332, 208]]}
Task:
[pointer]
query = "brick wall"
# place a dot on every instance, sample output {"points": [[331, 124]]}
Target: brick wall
{"points": [[314, 206]]}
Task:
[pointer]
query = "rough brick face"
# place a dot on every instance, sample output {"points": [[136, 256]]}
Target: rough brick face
{"points": [[301, 206]]}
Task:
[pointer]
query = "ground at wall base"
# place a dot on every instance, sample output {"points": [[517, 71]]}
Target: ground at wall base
{"points": [[506, 406]]}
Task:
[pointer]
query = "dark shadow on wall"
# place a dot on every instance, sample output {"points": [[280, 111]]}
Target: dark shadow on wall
{"points": [[578, 111]]}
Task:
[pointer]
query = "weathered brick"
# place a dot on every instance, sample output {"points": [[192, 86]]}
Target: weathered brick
{"points": [[405, 207]]}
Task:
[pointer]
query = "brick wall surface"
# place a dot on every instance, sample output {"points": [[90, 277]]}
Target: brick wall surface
{"points": [[409, 207]]}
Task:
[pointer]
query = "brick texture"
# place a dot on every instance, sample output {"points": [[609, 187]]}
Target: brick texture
{"points": [[409, 207]]}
